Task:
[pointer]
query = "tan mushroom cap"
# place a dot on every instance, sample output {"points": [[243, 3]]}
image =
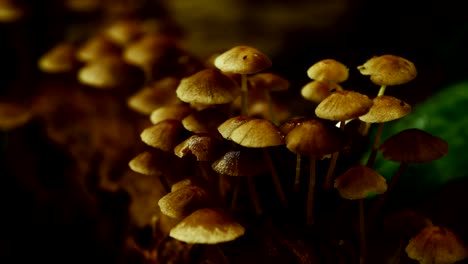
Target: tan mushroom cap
{"points": [[148, 49], [124, 31], [183, 201], [436, 245], [316, 91], [164, 135], [204, 121], [203, 146], [207, 226], [315, 138], [13, 115], [154, 95], [328, 70], [386, 108], [208, 87], [242, 60], [343, 105], [61, 58], [107, 73], [268, 81], [388, 70], [257, 133], [95, 48], [360, 182], [243, 162], [414, 146], [149, 162], [290, 124], [228, 126], [174, 112], [183, 183]]}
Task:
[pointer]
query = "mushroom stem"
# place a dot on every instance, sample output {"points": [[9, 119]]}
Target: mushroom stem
{"points": [[311, 192], [382, 90], [297, 178], [373, 155], [362, 231], [164, 184], [275, 178], [329, 178], [270, 108], [244, 96], [254, 195]]}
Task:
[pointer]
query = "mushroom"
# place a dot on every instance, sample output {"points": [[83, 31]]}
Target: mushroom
{"points": [[328, 70], [242, 60], [173, 111], [207, 226], [97, 47], [436, 245], [153, 162], [204, 121], [183, 201], [358, 183], [59, 59], [316, 91], [164, 135]]}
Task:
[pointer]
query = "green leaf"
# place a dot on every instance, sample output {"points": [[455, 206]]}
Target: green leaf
{"points": [[444, 116]]}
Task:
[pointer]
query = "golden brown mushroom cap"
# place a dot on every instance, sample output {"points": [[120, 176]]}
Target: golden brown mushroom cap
{"points": [[268, 81], [182, 183], [174, 112], [164, 135], [228, 126], [436, 245], [415, 146], [95, 48], [389, 70], [314, 138], [328, 70], [150, 162], [61, 58], [207, 226], [148, 49], [183, 201], [242, 60], [257, 133], [316, 91], [343, 105], [245, 162], [124, 31], [360, 182], [203, 146], [204, 121], [386, 108], [208, 87]]}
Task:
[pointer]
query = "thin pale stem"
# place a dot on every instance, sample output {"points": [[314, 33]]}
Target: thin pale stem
{"points": [[362, 231], [297, 178], [311, 192], [331, 169], [375, 147], [382, 90], [270, 107], [275, 178], [244, 96]]}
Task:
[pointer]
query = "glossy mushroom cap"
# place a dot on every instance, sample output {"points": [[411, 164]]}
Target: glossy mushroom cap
{"points": [[314, 138], [183, 201], [414, 146], [60, 58], [207, 226], [208, 87], [360, 182], [386, 108], [436, 245], [328, 70], [242, 60], [343, 105], [317, 91], [389, 70]]}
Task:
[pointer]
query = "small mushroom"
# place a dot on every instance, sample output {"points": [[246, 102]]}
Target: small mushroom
{"points": [[183, 201], [59, 59], [175, 112], [328, 70]]}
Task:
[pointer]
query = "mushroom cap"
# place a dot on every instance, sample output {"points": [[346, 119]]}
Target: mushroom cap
{"points": [[388, 70], [124, 31], [203, 146], [228, 126], [316, 91], [204, 121], [207, 226], [268, 81], [182, 183], [257, 133], [183, 201], [436, 245], [149, 162], [61, 58], [343, 105], [154, 95], [149, 49], [13, 115], [315, 138], [243, 162], [328, 70], [97, 47], [360, 182], [208, 87], [164, 135], [414, 146], [290, 124], [108, 72], [242, 60], [386, 108], [174, 112]]}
